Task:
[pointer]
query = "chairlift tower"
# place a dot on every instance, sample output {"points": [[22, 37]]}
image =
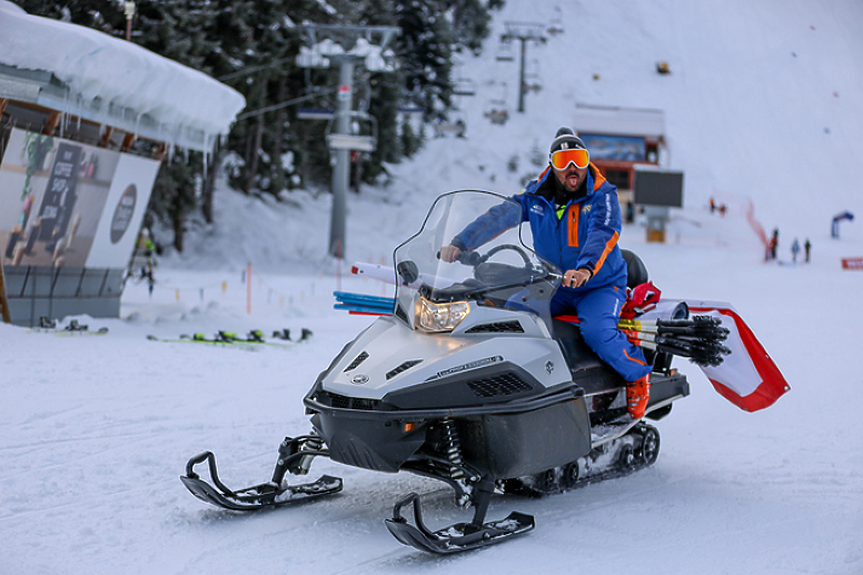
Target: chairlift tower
{"points": [[346, 47], [524, 32]]}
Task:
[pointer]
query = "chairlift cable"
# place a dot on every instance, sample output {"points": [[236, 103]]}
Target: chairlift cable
{"points": [[284, 104]]}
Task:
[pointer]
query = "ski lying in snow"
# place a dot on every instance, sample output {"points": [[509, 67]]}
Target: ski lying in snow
{"points": [[455, 538], [254, 338], [47, 325], [261, 496], [238, 343]]}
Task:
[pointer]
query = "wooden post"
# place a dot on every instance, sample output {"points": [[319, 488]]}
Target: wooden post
{"points": [[106, 136], [51, 123], [4, 302], [127, 142]]}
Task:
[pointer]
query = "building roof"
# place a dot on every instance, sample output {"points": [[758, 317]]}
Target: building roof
{"points": [[620, 121], [94, 76]]}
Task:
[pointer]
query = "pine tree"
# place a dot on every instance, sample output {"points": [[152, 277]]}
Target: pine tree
{"points": [[251, 45]]}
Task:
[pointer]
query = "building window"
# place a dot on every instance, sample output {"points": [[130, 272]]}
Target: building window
{"points": [[618, 177]]}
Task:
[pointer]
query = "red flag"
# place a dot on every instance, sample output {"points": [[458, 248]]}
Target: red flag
{"points": [[748, 378]]}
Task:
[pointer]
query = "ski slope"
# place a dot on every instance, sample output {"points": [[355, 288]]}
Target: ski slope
{"points": [[96, 429]]}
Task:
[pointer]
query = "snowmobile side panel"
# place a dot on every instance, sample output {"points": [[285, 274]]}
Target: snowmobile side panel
{"points": [[368, 442], [511, 444], [379, 439]]}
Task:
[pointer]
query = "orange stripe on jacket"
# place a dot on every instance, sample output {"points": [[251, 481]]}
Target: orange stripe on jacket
{"points": [[598, 178], [608, 247], [638, 361], [573, 224]]}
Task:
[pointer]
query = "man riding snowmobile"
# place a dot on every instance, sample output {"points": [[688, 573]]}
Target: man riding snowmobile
{"points": [[574, 215], [467, 379]]}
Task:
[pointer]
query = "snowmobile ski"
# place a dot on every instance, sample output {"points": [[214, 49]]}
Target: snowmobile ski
{"points": [[455, 538], [264, 495]]}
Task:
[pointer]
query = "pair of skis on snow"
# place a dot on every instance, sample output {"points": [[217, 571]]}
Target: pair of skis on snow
{"points": [[49, 325], [229, 338]]}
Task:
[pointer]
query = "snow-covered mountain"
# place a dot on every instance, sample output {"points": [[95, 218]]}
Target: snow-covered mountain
{"points": [[762, 105]]}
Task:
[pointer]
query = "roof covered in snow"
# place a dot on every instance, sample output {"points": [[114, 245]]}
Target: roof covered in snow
{"points": [[87, 73]]}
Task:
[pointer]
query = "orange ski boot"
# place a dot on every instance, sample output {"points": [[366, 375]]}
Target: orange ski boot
{"points": [[637, 395]]}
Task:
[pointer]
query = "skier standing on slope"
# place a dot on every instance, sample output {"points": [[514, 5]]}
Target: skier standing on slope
{"points": [[574, 215]]}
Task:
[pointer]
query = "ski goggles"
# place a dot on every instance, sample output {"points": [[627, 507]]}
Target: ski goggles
{"points": [[562, 158]]}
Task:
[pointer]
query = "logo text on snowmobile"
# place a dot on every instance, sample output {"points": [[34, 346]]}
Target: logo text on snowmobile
{"points": [[360, 379], [468, 366]]}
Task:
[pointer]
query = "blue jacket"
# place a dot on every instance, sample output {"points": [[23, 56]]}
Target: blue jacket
{"points": [[586, 236]]}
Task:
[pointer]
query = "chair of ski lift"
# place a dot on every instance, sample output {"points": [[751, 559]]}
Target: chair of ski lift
{"points": [[556, 27], [554, 30], [445, 126], [363, 136], [497, 112], [505, 52], [315, 114], [464, 87]]}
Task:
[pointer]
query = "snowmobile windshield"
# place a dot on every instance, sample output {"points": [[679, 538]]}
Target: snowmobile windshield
{"points": [[492, 265]]}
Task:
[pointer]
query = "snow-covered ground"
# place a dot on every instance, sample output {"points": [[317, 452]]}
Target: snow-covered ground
{"points": [[96, 429]]}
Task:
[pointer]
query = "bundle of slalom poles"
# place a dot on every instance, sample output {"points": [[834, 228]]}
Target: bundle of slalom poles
{"points": [[699, 338]]}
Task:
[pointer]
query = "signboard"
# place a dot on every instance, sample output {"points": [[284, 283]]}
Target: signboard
{"points": [[70, 204], [658, 188], [621, 148]]}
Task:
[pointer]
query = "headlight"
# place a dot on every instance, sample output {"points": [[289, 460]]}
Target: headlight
{"points": [[436, 317]]}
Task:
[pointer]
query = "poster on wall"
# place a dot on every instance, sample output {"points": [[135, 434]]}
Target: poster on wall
{"points": [[55, 195], [609, 147], [114, 240]]}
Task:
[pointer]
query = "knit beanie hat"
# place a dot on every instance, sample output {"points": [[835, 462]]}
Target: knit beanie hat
{"points": [[565, 139]]}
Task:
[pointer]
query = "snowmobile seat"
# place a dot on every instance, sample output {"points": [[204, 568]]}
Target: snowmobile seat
{"points": [[590, 372], [636, 271]]}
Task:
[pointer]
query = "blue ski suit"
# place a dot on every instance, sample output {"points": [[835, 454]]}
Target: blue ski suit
{"points": [[584, 235]]}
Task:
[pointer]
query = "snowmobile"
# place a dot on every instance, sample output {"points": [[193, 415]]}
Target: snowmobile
{"points": [[470, 381]]}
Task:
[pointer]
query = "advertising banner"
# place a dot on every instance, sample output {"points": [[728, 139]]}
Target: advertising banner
{"points": [[64, 203], [621, 148]]}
